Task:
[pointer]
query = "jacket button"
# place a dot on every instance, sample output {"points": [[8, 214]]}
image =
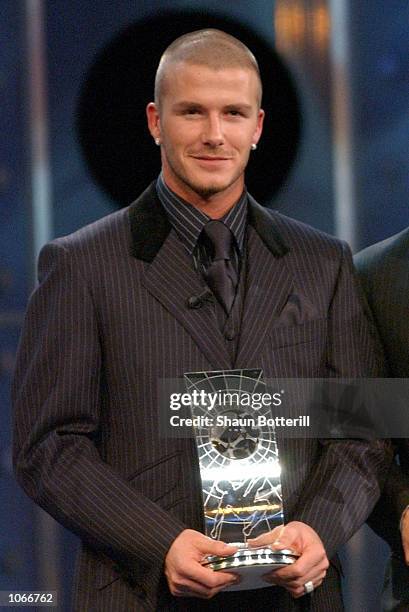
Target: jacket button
{"points": [[194, 302]]}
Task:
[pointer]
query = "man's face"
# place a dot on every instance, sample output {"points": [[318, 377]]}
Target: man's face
{"points": [[207, 122]]}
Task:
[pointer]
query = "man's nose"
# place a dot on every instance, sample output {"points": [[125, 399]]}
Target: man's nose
{"points": [[213, 131]]}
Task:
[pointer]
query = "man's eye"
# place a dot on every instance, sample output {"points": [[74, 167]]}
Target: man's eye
{"points": [[234, 113], [192, 111]]}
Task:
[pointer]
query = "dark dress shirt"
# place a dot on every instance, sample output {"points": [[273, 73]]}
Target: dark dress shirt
{"points": [[188, 222]]}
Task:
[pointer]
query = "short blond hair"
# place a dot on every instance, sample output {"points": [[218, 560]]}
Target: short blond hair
{"points": [[212, 48]]}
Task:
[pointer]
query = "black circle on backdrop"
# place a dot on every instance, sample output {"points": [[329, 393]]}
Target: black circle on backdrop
{"points": [[111, 121]]}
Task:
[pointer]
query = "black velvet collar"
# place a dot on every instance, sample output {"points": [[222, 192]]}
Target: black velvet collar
{"points": [[150, 226]]}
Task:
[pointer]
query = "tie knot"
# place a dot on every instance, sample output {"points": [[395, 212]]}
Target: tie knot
{"points": [[221, 238]]}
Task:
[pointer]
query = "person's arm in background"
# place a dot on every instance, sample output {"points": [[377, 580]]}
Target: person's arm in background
{"points": [[382, 270]]}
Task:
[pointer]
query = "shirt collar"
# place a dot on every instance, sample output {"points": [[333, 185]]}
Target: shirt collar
{"points": [[188, 221]]}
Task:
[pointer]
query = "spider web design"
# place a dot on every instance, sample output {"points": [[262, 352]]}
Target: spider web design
{"points": [[241, 496]]}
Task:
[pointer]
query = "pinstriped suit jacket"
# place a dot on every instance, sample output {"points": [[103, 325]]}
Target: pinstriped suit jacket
{"points": [[384, 271], [108, 319]]}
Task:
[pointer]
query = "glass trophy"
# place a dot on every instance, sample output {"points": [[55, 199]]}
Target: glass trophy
{"points": [[239, 469]]}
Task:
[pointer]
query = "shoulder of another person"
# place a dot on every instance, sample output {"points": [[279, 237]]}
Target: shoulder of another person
{"points": [[381, 253]]}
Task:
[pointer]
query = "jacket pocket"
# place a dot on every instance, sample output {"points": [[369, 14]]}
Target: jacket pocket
{"points": [[288, 335]]}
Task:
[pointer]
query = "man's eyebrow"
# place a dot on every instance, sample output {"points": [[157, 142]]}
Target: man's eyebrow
{"points": [[186, 104], [233, 106], [238, 106]]}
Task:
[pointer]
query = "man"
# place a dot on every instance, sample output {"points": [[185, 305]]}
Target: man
{"points": [[384, 271], [120, 305]]}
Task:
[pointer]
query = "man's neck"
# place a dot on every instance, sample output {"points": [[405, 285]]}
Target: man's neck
{"points": [[215, 210]]}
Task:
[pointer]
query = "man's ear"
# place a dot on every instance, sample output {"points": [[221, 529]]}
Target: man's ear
{"points": [[152, 115], [259, 128]]}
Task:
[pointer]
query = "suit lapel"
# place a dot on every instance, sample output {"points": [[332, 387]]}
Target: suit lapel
{"points": [[170, 276], [171, 279], [268, 284]]}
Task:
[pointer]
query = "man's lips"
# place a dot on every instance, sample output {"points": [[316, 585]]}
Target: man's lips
{"points": [[212, 157]]}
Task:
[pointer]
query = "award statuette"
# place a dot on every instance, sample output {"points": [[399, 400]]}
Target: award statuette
{"points": [[239, 469]]}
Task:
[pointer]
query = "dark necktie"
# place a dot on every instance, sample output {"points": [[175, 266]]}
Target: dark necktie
{"points": [[221, 275]]}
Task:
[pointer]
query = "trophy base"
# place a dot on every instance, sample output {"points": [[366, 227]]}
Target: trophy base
{"points": [[251, 564]]}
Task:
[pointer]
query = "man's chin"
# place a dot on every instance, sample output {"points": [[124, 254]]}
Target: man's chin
{"points": [[207, 190]]}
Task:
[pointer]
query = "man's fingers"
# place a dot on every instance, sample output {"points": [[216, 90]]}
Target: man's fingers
{"points": [[184, 571], [220, 579], [296, 587], [200, 582], [288, 537], [213, 547], [190, 588], [312, 564], [311, 561], [207, 577], [282, 537], [266, 539], [315, 576]]}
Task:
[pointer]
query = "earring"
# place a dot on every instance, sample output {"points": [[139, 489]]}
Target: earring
{"points": [[157, 142], [253, 146]]}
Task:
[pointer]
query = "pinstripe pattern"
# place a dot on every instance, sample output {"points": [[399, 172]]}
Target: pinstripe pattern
{"points": [[189, 221], [384, 272], [109, 318]]}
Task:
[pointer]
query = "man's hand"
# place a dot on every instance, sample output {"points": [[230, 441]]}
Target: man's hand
{"points": [[184, 572], [404, 528], [312, 564]]}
